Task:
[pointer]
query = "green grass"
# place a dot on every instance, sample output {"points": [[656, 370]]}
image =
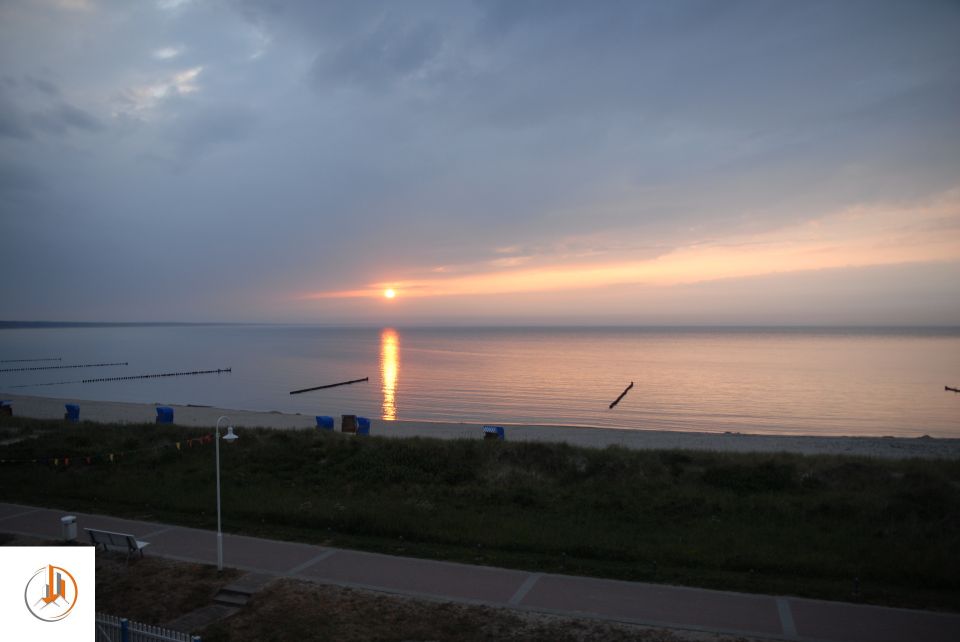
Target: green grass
{"points": [[771, 523]]}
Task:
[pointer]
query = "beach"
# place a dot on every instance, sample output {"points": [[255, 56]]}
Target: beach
{"points": [[638, 438]]}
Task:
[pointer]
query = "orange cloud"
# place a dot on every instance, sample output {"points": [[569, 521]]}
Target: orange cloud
{"points": [[857, 237]]}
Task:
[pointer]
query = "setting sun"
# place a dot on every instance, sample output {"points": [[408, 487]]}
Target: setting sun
{"points": [[389, 293]]}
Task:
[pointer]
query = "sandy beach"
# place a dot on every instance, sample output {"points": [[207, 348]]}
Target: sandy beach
{"points": [[885, 447]]}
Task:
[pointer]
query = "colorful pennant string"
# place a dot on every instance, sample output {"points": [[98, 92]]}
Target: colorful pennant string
{"points": [[65, 461]]}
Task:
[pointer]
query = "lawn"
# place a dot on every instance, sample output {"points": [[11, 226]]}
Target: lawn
{"points": [[842, 528]]}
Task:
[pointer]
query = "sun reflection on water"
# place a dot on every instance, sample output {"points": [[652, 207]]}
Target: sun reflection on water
{"points": [[389, 369]]}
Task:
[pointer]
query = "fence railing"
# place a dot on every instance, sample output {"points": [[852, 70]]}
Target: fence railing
{"points": [[111, 628]]}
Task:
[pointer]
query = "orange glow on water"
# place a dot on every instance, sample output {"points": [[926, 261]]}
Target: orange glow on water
{"points": [[389, 371]]}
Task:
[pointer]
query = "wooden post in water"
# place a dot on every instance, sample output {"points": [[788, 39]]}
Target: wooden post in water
{"points": [[329, 385], [622, 395]]}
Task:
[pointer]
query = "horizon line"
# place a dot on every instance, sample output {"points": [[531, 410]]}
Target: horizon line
{"points": [[4, 324]]}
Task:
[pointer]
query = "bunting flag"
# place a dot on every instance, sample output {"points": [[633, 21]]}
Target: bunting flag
{"points": [[109, 457]]}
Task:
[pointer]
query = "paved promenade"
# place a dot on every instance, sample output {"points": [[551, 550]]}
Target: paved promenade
{"points": [[760, 616]]}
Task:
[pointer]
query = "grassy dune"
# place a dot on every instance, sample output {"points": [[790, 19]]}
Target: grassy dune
{"points": [[843, 528]]}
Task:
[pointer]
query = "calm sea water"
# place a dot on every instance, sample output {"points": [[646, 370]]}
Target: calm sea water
{"points": [[798, 381]]}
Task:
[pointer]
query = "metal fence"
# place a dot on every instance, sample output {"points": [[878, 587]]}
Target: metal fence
{"points": [[111, 628]]}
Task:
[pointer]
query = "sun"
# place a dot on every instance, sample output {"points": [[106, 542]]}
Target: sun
{"points": [[389, 293]]}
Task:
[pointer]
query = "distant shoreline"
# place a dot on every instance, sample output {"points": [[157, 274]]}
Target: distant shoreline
{"points": [[14, 325], [732, 328], [205, 416]]}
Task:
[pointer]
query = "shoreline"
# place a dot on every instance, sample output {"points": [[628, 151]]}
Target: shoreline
{"points": [[206, 416]]}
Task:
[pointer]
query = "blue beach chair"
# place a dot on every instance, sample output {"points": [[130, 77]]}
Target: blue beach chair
{"points": [[363, 426], [494, 433]]}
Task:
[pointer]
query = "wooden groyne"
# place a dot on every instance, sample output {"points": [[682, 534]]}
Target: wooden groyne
{"points": [[128, 378], [79, 365], [329, 385], [162, 374], [951, 389], [622, 395], [27, 360]]}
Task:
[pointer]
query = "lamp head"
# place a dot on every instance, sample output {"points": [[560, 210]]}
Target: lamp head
{"points": [[230, 437]]}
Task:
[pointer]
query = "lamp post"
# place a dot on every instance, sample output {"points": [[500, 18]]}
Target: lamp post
{"points": [[229, 437]]}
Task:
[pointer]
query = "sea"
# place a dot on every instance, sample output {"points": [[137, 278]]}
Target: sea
{"points": [[798, 381]]}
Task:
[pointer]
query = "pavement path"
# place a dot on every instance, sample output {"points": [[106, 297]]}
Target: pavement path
{"points": [[759, 616]]}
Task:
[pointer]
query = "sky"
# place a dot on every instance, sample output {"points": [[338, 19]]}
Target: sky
{"points": [[493, 162]]}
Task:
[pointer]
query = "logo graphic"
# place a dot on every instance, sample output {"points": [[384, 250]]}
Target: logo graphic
{"points": [[53, 600]]}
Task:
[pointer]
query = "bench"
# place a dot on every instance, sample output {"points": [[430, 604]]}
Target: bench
{"points": [[123, 542]]}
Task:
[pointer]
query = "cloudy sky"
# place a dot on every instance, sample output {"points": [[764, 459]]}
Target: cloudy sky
{"points": [[492, 162]]}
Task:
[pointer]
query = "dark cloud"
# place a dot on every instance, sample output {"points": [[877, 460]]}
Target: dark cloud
{"points": [[42, 85], [63, 117], [23, 122], [386, 53], [316, 20], [13, 123], [16, 179], [343, 142], [196, 131]]}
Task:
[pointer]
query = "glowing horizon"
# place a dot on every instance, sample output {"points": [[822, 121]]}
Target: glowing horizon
{"points": [[853, 238]]}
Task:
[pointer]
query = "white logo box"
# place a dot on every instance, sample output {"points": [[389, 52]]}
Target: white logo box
{"points": [[32, 609]]}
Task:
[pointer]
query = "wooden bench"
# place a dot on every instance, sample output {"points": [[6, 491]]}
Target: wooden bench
{"points": [[123, 542]]}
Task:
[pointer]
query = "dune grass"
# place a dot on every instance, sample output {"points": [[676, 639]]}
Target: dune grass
{"points": [[832, 527]]}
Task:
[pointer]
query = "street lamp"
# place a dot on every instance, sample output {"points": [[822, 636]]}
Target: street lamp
{"points": [[230, 437]]}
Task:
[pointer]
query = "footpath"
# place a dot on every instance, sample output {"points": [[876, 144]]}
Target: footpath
{"points": [[760, 616]]}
